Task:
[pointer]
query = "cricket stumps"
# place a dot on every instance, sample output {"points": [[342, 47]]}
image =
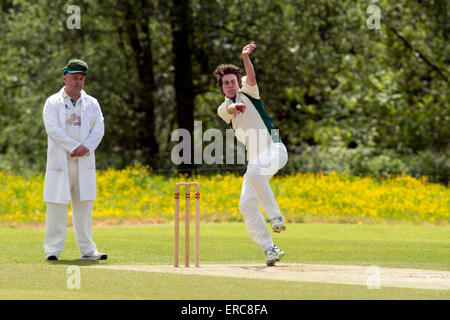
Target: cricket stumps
{"points": [[187, 223]]}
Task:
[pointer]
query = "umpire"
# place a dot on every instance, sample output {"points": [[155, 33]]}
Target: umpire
{"points": [[74, 124]]}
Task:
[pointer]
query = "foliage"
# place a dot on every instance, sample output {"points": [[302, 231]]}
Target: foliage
{"points": [[136, 194], [326, 79], [370, 161]]}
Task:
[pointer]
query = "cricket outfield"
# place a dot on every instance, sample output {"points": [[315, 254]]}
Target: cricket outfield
{"points": [[323, 261]]}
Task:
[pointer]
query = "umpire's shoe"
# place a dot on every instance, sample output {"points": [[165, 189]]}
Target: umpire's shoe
{"points": [[95, 256]]}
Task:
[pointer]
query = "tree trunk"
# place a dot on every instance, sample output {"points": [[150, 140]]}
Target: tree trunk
{"points": [[137, 26], [181, 23]]}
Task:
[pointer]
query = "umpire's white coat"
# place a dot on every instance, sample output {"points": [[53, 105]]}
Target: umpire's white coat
{"points": [[56, 188]]}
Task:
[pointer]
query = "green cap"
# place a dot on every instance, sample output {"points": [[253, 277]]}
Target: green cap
{"points": [[76, 65]]}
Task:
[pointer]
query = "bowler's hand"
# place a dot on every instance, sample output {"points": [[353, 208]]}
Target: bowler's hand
{"points": [[81, 151], [248, 49], [236, 108]]}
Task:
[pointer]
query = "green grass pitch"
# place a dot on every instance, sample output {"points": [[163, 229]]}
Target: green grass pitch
{"points": [[24, 274]]}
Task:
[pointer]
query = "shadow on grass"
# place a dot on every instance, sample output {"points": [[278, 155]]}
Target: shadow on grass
{"points": [[76, 262]]}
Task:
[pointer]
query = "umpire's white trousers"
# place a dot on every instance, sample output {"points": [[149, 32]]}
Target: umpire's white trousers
{"points": [[256, 192], [56, 220]]}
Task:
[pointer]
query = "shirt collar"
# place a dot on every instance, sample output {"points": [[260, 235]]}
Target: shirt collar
{"points": [[228, 100], [65, 95]]}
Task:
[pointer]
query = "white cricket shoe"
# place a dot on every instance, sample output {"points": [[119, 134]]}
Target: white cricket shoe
{"points": [[277, 224], [273, 255], [95, 256]]}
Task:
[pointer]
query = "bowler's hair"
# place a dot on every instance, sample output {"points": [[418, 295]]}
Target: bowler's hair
{"points": [[224, 69]]}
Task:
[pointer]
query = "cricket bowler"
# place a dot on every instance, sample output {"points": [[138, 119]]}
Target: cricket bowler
{"points": [[266, 154]]}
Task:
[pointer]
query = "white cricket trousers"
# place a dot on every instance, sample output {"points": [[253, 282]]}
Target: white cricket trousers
{"points": [[56, 220], [256, 192]]}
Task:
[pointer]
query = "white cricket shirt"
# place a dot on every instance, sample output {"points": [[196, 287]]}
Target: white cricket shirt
{"points": [[253, 128]]}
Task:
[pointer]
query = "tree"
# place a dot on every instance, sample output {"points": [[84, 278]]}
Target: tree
{"points": [[137, 15], [181, 23], [326, 80]]}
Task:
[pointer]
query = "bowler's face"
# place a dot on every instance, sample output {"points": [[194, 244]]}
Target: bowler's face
{"points": [[74, 81], [230, 85]]}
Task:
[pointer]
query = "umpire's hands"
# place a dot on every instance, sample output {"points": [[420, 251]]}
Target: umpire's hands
{"points": [[81, 151]]}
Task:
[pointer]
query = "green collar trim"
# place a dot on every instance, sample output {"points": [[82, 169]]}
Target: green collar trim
{"points": [[265, 117]]}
